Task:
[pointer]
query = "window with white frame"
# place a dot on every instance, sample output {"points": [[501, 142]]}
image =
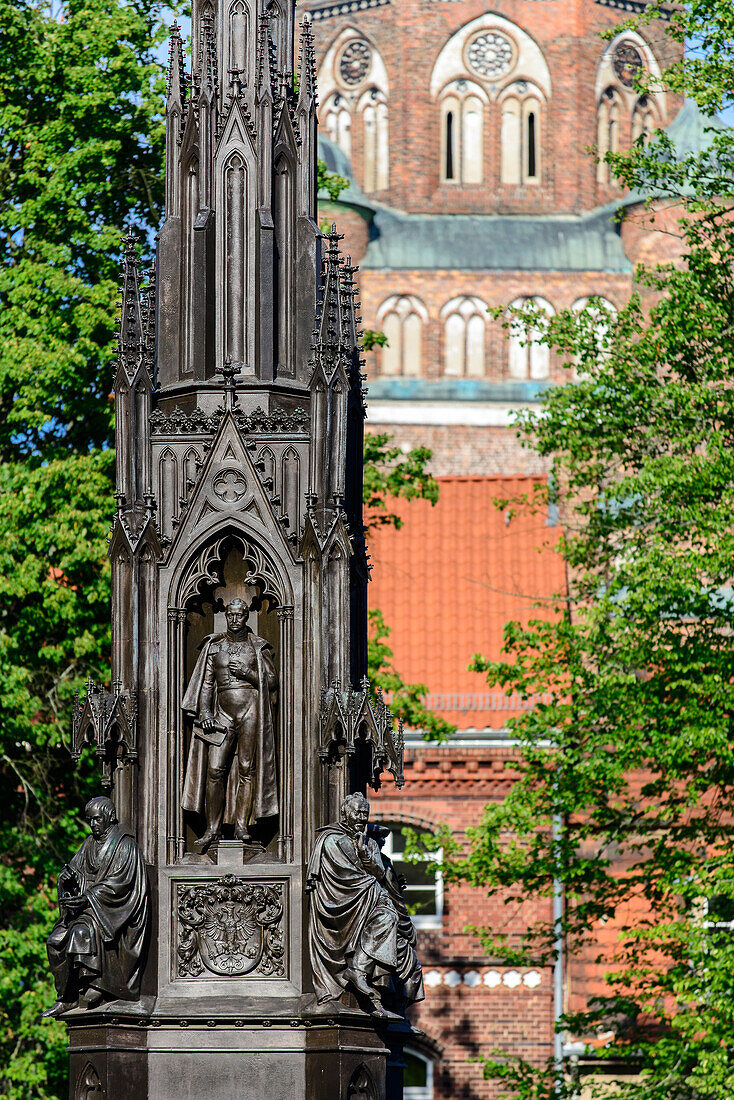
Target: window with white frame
{"points": [[464, 337], [521, 133], [424, 885], [353, 88], [401, 318], [487, 65], [417, 1076], [462, 115], [528, 356]]}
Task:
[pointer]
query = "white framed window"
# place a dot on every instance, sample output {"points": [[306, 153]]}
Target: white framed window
{"points": [[464, 337], [522, 106], [402, 318], [462, 132], [417, 1076], [528, 356], [424, 884]]}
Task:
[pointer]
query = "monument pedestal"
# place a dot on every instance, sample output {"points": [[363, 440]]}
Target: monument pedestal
{"points": [[223, 1058]]}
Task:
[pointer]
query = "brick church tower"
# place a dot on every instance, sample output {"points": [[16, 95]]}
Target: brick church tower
{"points": [[467, 137]]}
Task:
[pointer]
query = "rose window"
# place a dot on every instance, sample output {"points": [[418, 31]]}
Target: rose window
{"points": [[354, 63], [490, 55], [627, 61]]}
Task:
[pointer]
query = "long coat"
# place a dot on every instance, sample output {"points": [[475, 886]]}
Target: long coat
{"points": [[265, 785], [350, 910], [105, 942]]}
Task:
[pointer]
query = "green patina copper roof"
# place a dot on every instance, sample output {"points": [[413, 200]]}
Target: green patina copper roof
{"points": [[486, 242]]}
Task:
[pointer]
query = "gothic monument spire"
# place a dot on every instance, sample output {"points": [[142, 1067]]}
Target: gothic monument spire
{"points": [[239, 719]]}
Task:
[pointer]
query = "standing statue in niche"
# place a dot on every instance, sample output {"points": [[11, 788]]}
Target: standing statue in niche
{"points": [[95, 948], [230, 776], [360, 934]]}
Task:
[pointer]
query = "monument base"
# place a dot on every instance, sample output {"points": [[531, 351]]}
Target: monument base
{"points": [[303, 1058]]}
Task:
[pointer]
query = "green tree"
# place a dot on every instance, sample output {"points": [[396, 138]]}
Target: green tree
{"points": [[632, 758], [80, 139]]}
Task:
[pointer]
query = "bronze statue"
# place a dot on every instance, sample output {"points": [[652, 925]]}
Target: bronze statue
{"points": [[360, 933], [232, 695], [95, 948]]}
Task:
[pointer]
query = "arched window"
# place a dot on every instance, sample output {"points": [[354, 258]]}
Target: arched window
{"points": [[601, 313], [462, 114], [528, 356], [644, 120], [353, 88], [402, 319], [417, 1076], [338, 123], [621, 112], [376, 157], [424, 889], [464, 337], [521, 133], [491, 64], [608, 118]]}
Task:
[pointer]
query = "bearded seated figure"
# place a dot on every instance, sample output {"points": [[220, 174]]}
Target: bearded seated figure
{"points": [[360, 934], [95, 949]]}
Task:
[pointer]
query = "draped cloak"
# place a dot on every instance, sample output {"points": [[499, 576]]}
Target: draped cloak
{"points": [[263, 775], [104, 942], [350, 909]]}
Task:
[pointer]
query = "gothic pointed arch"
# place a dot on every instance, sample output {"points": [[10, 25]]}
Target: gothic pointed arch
{"points": [[355, 96], [490, 69]]}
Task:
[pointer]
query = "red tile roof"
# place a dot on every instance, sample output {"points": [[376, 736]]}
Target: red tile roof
{"points": [[449, 580]]}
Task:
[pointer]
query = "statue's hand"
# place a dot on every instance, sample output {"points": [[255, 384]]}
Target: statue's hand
{"points": [[207, 722], [76, 904]]}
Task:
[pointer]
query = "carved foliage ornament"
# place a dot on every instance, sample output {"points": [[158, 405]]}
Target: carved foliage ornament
{"points": [[490, 55], [198, 423], [230, 928]]}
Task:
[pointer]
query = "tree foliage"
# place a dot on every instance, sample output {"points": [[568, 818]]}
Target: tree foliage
{"points": [[80, 137], [632, 757]]}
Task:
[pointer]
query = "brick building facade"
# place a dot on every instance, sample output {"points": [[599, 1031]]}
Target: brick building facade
{"points": [[466, 137]]}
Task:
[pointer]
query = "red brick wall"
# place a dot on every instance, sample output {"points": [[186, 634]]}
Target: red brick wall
{"points": [[491, 1006], [410, 34]]}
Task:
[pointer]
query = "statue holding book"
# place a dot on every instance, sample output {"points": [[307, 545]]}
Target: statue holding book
{"points": [[232, 696]]}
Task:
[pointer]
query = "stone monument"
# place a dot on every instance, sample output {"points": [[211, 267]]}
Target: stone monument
{"points": [[239, 719]]}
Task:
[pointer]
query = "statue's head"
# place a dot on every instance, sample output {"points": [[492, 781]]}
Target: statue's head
{"points": [[236, 612], [101, 814], [355, 812]]}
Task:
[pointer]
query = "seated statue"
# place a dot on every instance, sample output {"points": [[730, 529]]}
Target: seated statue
{"points": [[95, 948], [360, 933]]}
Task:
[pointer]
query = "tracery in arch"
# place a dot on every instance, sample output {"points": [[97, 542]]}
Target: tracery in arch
{"points": [[490, 61], [464, 337], [402, 318], [623, 115], [353, 88]]}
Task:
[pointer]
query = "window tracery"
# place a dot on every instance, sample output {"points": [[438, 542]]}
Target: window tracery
{"points": [[491, 61], [464, 337], [623, 115], [402, 318], [528, 356], [353, 87]]}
